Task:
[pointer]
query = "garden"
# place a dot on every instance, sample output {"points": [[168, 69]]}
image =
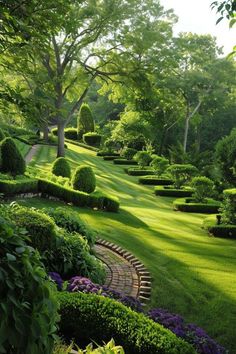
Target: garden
{"points": [[117, 208]]}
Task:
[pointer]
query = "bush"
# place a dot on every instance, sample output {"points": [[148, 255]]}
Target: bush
{"points": [[2, 135], [138, 172], [86, 316], [71, 133], [61, 167], [11, 187], [109, 158], [169, 191], [128, 153], [28, 307], [92, 138], [210, 206], [107, 153], [137, 143], [154, 180], [109, 348], [85, 120], [159, 164], [84, 179], [203, 187], [181, 174], [124, 162], [219, 230], [54, 131], [11, 159], [143, 158], [229, 206]]}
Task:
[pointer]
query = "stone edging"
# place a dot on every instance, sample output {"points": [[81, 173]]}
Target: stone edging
{"points": [[144, 277]]}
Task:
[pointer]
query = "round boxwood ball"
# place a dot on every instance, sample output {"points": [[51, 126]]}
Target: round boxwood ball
{"points": [[61, 167], [12, 161], [84, 179]]}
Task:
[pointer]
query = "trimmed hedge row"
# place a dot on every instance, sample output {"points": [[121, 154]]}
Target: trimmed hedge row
{"points": [[186, 204], [124, 162], [104, 153], [172, 192], [154, 180], [93, 200], [87, 316], [81, 144], [221, 230], [138, 172], [109, 158], [11, 187]]}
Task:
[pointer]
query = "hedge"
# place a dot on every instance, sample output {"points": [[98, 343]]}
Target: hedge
{"points": [[189, 205], [11, 187], [172, 192], [109, 158], [221, 230], [87, 317], [138, 172], [106, 153], [154, 180], [124, 162], [92, 139], [81, 144]]}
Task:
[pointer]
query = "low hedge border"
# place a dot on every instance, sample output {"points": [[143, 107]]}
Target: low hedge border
{"points": [[138, 172], [221, 230], [154, 180], [186, 205], [172, 192], [88, 316], [109, 158], [124, 162], [104, 153], [12, 187], [92, 148]]}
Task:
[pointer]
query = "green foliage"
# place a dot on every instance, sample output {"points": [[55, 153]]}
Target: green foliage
{"points": [[203, 187], [219, 230], [92, 138], [85, 120], [28, 307], [209, 206], [226, 156], [159, 164], [23, 184], [143, 158], [181, 174], [170, 191], [124, 162], [109, 348], [84, 179], [12, 161], [85, 316], [154, 180], [70, 133], [128, 153], [138, 172], [107, 153], [229, 206], [61, 167], [2, 135]]}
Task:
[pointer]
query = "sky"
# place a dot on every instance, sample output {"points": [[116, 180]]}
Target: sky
{"points": [[196, 16]]}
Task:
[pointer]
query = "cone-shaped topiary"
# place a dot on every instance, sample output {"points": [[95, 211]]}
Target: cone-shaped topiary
{"points": [[2, 135], [85, 120], [61, 167], [84, 179], [12, 161]]}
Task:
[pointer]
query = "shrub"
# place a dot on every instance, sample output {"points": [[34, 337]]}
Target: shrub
{"points": [[128, 153], [61, 167], [2, 135], [229, 206], [71, 133], [92, 138], [12, 161], [181, 174], [124, 162], [143, 158], [137, 143], [154, 180], [169, 191], [107, 153], [54, 131], [28, 307], [84, 179], [85, 120], [11, 187], [159, 164], [203, 187], [138, 172], [86, 316], [189, 205], [109, 158], [219, 230], [109, 348]]}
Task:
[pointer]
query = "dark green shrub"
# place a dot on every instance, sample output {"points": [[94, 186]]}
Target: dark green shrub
{"points": [[107, 153], [138, 172], [170, 191], [181, 174], [85, 120], [203, 187], [71, 133], [209, 206], [92, 138], [109, 158], [154, 180], [219, 230], [86, 316], [143, 158], [54, 131], [137, 143], [28, 307], [84, 179], [159, 164], [124, 162], [17, 186], [78, 143], [128, 153], [229, 206], [103, 201], [12, 161], [61, 167], [2, 135]]}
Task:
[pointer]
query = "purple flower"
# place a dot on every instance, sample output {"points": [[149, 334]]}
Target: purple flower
{"points": [[57, 279]]}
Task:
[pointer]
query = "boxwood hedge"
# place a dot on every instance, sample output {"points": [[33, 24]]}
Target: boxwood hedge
{"points": [[88, 316], [18, 186], [124, 162], [154, 180], [169, 191], [107, 153], [138, 172], [191, 206], [221, 230]]}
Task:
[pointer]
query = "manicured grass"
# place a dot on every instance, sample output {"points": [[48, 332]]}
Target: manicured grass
{"points": [[23, 148], [193, 274]]}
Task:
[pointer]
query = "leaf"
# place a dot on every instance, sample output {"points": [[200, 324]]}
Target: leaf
{"points": [[219, 19], [20, 250], [232, 22], [10, 257]]}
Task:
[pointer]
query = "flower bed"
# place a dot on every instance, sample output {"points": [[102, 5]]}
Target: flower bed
{"points": [[210, 206]]}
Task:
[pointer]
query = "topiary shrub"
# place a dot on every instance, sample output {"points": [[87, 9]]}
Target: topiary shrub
{"points": [[159, 164], [181, 174], [84, 179], [143, 158], [215, 227], [155, 180], [86, 316], [170, 191], [92, 138], [229, 206], [61, 167], [124, 162], [71, 133], [128, 153], [203, 187], [137, 172], [28, 306], [209, 206], [12, 161], [85, 120]]}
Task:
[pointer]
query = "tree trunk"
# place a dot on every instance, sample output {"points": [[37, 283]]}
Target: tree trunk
{"points": [[61, 140], [45, 132], [186, 129]]}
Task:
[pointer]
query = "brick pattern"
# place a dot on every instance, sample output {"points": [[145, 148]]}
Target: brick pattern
{"points": [[125, 273]]}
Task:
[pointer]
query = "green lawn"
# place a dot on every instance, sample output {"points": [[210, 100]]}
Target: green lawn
{"points": [[193, 274], [23, 148]]}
